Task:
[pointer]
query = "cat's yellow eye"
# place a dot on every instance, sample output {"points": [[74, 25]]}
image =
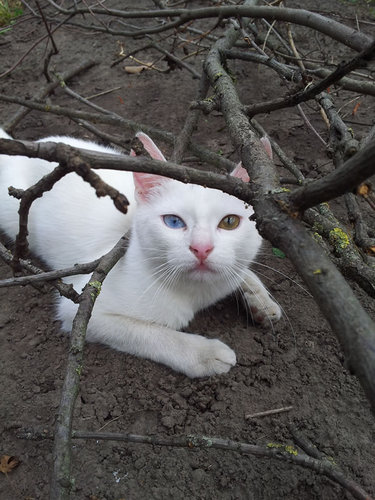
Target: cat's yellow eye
{"points": [[229, 222]]}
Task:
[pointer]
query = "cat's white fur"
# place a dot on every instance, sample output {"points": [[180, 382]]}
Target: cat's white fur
{"points": [[163, 280]]}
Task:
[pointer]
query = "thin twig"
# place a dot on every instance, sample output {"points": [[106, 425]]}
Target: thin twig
{"points": [[66, 290], [268, 412], [183, 139], [11, 123], [111, 118], [313, 90], [284, 452], [50, 275], [30, 49], [277, 451]]}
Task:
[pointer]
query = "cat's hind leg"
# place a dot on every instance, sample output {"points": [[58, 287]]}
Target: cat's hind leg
{"points": [[263, 308]]}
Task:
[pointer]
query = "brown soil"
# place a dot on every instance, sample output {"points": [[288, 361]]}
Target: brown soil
{"points": [[297, 362]]}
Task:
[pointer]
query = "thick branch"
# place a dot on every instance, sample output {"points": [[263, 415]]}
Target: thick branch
{"points": [[114, 119], [61, 482], [349, 257], [342, 180], [348, 36], [352, 325], [60, 152], [264, 174]]}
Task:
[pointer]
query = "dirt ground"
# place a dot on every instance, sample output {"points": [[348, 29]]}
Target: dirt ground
{"points": [[296, 363]]}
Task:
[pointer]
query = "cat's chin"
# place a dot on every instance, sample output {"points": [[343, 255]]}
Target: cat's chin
{"points": [[202, 272]]}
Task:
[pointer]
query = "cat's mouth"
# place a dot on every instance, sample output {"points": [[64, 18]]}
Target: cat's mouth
{"points": [[202, 268]]}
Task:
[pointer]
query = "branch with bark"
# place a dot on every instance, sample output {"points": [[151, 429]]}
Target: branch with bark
{"points": [[347, 36], [60, 484], [64, 289], [279, 213], [352, 325], [312, 459]]}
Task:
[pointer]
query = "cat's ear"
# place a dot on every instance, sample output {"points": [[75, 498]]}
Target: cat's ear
{"points": [[267, 146], [145, 183], [240, 173], [150, 146]]}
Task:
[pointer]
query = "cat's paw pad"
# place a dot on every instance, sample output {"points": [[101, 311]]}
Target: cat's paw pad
{"points": [[263, 311], [211, 357]]}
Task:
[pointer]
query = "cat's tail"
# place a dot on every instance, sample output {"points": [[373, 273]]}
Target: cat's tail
{"points": [[4, 135]]}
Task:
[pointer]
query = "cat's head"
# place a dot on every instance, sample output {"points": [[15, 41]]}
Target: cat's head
{"points": [[191, 231]]}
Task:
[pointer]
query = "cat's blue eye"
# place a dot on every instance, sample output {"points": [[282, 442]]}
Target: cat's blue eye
{"points": [[173, 221]]}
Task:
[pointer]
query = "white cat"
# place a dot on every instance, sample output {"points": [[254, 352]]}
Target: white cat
{"points": [[189, 247]]}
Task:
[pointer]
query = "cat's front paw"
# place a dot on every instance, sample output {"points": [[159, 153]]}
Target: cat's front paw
{"points": [[206, 357], [263, 309]]}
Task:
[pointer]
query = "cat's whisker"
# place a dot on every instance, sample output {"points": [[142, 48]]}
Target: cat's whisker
{"points": [[161, 274], [170, 276], [277, 271], [247, 308], [285, 315], [231, 277], [164, 273]]}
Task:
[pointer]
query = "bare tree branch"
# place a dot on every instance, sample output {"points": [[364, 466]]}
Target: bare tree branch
{"points": [[60, 152], [312, 460], [67, 163], [184, 137], [114, 119], [366, 55], [346, 178], [351, 324], [61, 484], [63, 288], [50, 275], [277, 212], [348, 36], [273, 450], [10, 124]]}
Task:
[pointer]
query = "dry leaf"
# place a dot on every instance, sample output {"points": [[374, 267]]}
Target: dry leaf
{"points": [[7, 463], [134, 70], [355, 109], [372, 249], [363, 190], [142, 65]]}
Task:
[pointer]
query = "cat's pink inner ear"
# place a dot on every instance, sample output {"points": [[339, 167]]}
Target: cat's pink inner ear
{"points": [[267, 145], [145, 183], [241, 173], [150, 146]]}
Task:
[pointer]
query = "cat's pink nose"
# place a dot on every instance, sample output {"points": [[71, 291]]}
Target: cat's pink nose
{"points": [[201, 251]]}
